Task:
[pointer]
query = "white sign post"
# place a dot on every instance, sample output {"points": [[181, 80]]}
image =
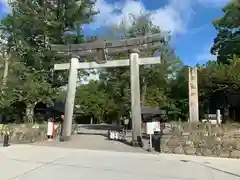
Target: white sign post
{"points": [[150, 132]]}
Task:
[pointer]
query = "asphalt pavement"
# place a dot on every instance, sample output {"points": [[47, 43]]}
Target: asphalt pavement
{"points": [[28, 162]]}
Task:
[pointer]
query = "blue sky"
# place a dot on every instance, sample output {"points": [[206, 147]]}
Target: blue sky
{"points": [[188, 20]]}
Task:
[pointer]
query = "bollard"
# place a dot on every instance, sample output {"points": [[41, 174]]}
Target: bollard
{"points": [[6, 140]]}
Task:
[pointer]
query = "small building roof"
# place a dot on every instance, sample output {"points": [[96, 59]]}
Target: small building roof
{"points": [[59, 106], [152, 111]]}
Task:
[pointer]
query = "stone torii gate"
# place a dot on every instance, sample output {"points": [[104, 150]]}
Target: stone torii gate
{"points": [[101, 49]]}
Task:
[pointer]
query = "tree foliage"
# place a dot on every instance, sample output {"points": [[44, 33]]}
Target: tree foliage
{"points": [[34, 25], [154, 79], [30, 30], [227, 42], [95, 101]]}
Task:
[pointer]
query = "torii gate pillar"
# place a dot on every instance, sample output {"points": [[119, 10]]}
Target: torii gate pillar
{"points": [[135, 97], [70, 99]]}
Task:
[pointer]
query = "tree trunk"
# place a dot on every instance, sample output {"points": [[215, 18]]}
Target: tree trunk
{"points": [[1, 118], [5, 74], [226, 108], [30, 112], [226, 114], [143, 93]]}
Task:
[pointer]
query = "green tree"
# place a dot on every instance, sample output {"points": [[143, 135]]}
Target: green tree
{"points": [[218, 82], [227, 42], [31, 28], [178, 93], [153, 78], [34, 25], [8, 80], [95, 101], [32, 88]]}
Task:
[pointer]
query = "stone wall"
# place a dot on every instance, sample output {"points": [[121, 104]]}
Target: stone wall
{"points": [[28, 133], [23, 133], [201, 140]]}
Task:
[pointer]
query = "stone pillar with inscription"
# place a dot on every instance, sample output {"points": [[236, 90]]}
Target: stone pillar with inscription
{"points": [[193, 95]]}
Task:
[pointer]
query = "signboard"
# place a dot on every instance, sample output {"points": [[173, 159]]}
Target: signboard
{"points": [[50, 128], [156, 126], [150, 128], [115, 135], [126, 121]]}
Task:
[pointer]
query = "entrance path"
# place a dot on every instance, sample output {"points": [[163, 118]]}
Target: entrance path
{"points": [[94, 137], [31, 162], [92, 142]]}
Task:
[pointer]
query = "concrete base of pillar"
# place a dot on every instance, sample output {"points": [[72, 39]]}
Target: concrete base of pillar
{"points": [[150, 149], [64, 138], [134, 143], [138, 142]]}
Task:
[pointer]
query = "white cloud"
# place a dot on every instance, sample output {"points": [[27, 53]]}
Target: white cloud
{"points": [[4, 1], [213, 3], [108, 14], [172, 17], [206, 55]]}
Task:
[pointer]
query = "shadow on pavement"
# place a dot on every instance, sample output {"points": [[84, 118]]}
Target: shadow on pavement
{"points": [[94, 134], [102, 130], [100, 126]]}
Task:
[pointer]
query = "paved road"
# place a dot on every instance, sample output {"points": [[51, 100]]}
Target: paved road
{"points": [[28, 162], [92, 142], [94, 137]]}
